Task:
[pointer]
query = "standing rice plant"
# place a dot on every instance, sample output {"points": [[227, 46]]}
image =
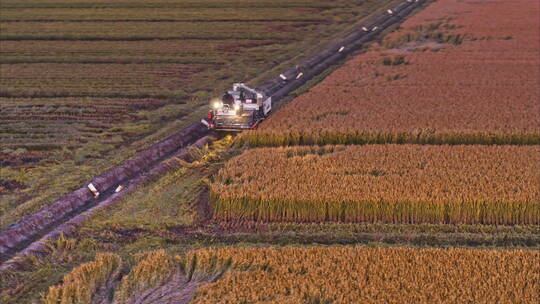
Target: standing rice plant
{"points": [[446, 97], [153, 269], [345, 275], [83, 282], [203, 266], [264, 138], [382, 183]]}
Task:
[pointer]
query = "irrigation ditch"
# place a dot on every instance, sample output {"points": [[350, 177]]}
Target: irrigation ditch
{"points": [[29, 236], [64, 216]]}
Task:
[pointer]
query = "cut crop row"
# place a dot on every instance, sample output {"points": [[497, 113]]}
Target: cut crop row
{"points": [[59, 80], [141, 52], [164, 14], [171, 4], [151, 30]]}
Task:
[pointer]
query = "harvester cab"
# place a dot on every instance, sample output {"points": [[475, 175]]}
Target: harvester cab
{"points": [[243, 108]]}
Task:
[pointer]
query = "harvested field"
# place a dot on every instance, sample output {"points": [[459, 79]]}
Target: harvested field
{"points": [[98, 80], [163, 30], [382, 183], [459, 72], [83, 78], [161, 51], [373, 275]]}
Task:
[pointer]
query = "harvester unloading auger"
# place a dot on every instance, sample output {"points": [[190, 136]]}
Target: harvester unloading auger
{"points": [[244, 108]]}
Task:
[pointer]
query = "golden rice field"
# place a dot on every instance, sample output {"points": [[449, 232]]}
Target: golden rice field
{"points": [[382, 183], [96, 281], [458, 72], [84, 283], [374, 275], [306, 275], [156, 277], [152, 269]]}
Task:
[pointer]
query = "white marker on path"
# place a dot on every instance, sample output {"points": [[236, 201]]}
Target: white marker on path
{"points": [[93, 189]]}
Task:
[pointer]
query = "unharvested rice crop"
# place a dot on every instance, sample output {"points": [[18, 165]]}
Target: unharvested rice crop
{"points": [[156, 277], [82, 284], [471, 184], [458, 72], [153, 269], [374, 275], [308, 275]]}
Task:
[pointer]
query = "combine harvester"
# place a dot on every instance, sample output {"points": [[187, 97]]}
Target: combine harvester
{"points": [[240, 109], [244, 108]]}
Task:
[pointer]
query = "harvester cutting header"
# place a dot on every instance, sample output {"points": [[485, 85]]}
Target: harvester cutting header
{"points": [[240, 109]]}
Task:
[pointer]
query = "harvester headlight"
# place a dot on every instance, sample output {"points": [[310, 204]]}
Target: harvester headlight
{"points": [[237, 107], [217, 105]]}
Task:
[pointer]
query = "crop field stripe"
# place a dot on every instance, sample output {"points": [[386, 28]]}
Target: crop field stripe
{"points": [[361, 138], [108, 61], [382, 183], [165, 5], [163, 20], [42, 95], [159, 30], [485, 213], [141, 38]]}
